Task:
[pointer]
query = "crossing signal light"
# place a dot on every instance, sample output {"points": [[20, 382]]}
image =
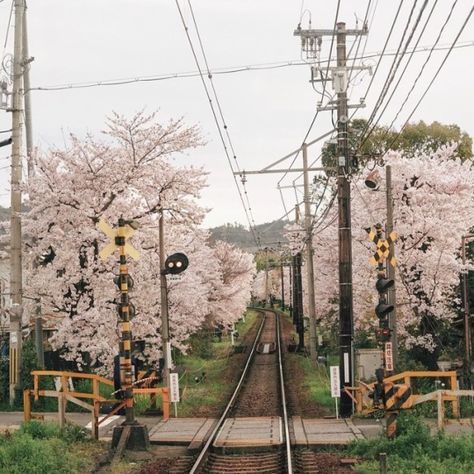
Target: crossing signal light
{"points": [[383, 309], [383, 334], [383, 285], [119, 280], [176, 263]]}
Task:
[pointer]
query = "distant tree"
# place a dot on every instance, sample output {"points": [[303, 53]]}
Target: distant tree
{"points": [[414, 139], [232, 291]]}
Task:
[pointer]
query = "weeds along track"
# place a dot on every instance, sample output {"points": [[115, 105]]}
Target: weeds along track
{"points": [[259, 393]]}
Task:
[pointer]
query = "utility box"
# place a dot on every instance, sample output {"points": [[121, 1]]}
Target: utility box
{"points": [[366, 362]]}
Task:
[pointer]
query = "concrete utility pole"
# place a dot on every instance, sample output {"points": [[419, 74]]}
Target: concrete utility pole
{"points": [[16, 276], [31, 171], [310, 41], [309, 260], [391, 294], [165, 337]]}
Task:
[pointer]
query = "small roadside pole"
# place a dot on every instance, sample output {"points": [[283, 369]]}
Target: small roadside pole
{"points": [[174, 391], [335, 386]]}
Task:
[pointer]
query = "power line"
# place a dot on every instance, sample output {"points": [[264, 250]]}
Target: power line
{"points": [[224, 122], [433, 79], [248, 211], [221, 71], [423, 66], [392, 76]]}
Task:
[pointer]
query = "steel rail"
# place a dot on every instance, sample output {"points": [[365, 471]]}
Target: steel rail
{"points": [[289, 461], [202, 455]]}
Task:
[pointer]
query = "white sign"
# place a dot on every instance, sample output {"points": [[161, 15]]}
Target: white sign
{"points": [[346, 367], [168, 355], [335, 382], [174, 387], [388, 357]]}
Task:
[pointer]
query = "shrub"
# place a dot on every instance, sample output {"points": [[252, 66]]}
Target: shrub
{"points": [[415, 451]]}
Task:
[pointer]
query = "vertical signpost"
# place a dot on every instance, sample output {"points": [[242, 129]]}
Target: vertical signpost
{"points": [[335, 385], [174, 391]]}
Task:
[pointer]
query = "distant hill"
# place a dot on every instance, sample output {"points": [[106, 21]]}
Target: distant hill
{"points": [[270, 234]]}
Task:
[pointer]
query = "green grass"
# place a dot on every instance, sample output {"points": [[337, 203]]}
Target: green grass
{"points": [[415, 451], [39, 448], [317, 381], [213, 390]]}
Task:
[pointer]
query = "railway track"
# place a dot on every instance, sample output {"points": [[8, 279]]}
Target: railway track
{"points": [[259, 392]]}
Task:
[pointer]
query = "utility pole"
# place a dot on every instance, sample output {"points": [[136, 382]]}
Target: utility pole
{"points": [[26, 60], [282, 286], [298, 290], [311, 41], [346, 321], [165, 337], [467, 332], [391, 294], [16, 276], [309, 260]]}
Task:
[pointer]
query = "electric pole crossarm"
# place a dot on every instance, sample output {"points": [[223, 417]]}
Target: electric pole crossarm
{"points": [[312, 33], [284, 170], [294, 152]]}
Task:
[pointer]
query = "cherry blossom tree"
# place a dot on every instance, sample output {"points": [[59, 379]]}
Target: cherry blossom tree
{"points": [[433, 195], [231, 294], [130, 174]]}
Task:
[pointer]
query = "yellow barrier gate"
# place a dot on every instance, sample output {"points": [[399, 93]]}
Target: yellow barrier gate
{"points": [[89, 401]]}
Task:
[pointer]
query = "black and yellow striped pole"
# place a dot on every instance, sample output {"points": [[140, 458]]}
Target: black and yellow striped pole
{"points": [[125, 313], [130, 434]]}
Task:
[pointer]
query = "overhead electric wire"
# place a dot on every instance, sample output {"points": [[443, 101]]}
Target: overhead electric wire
{"points": [[423, 66], [218, 71], [408, 61], [224, 122], [226, 151], [433, 79], [391, 74], [392, 77]]}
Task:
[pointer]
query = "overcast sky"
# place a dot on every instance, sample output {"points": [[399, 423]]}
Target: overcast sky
{"points": [[267, 111]]}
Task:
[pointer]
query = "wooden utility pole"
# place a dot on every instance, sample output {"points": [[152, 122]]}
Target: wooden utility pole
{"points": [[346, 321], [310, 39], [165, 337], [16, 275], [309, 260], [282, 285], [298, 290], [391, 295]]}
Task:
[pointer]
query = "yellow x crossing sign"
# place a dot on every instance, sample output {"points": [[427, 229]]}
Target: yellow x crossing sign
{"points": [[109, 249], [383, 248]]}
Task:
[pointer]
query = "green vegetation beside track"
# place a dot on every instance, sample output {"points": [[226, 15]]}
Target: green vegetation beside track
{"points": [[41, 447], [207, 371], [415, 451]]}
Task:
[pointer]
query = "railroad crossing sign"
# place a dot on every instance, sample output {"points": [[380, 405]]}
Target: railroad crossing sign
{"points": [[115, 234], [383, 247]]}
